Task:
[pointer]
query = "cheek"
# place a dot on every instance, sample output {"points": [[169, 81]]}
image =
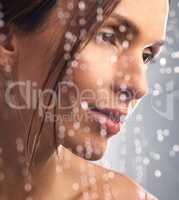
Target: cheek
{"points": [[95, 63]]}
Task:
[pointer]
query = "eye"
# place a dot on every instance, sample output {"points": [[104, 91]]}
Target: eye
{"points": [[148, 56], [108, 36]]}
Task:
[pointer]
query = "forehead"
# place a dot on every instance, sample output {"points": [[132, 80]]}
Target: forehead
{"points": [[150, 17]]}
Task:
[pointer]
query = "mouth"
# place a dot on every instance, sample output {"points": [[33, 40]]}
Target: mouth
{"points": [[109, 119]]}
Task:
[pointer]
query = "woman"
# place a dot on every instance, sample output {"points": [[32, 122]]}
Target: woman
{"points": [[71, 71]]}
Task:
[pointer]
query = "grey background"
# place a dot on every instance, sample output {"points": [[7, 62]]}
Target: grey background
{"points": [[148, 150]]}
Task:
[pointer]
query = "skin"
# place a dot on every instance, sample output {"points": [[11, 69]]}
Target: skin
{"points": [[31, 63]]}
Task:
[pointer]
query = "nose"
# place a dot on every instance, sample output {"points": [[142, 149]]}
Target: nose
{"points": [[130, 76]]}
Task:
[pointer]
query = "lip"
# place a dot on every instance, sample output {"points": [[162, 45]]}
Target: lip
{"points": [[109, 119]]}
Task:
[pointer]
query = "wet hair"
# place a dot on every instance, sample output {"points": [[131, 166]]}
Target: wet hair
{"points": [[27, 16]]}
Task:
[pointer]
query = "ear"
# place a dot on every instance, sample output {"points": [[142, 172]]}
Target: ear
{"points": [[8, 47]]}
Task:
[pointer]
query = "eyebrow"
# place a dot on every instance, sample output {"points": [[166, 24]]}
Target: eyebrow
{"points": [[127, 22], [133, 27]]}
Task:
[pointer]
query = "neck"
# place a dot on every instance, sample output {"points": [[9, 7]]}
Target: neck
{"points": [[59, 178], [48, 179]]}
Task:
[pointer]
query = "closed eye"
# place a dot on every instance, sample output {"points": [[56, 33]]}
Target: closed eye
{"points": [[107, 35]]}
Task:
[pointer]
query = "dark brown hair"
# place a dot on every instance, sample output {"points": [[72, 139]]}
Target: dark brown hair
{"points": [[28, 15]]}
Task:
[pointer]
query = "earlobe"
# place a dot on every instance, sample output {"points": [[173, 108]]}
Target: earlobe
{"points": [[8, 47]]}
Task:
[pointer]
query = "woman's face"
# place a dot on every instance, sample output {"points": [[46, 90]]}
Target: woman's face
{"points": [[109, 73]]}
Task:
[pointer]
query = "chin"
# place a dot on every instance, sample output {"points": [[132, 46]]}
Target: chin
{"points": [[98, 153], [97, 146], [95, 157]]}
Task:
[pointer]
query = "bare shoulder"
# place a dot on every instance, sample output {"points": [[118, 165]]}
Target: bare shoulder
{"points": [[118, 186], [126, 188]]}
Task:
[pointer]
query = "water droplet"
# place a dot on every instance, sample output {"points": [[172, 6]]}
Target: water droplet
{"points": [[146, 161], [82, 5], [75, 186], [2, 176], [28, 187], [176, 148], [158, 173]]}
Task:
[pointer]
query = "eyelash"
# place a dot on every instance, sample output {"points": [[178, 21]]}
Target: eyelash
{"points": [[149, 58], [112, 36]]}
